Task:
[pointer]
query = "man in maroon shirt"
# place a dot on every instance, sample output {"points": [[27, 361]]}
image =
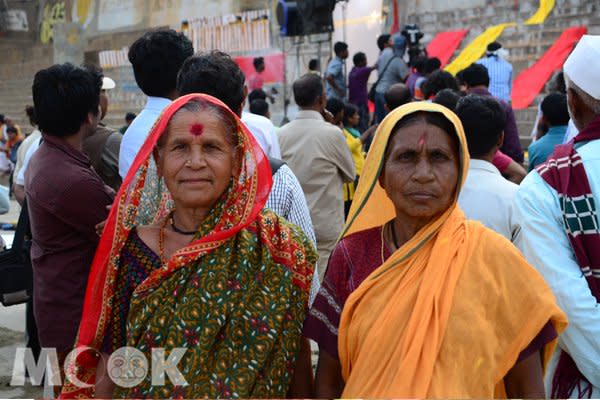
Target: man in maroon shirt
{"points": [[477, 79], [66, 199]]}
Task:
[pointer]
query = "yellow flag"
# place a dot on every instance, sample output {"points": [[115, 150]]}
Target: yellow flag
{"points": [[542, 13], [475, 50]]}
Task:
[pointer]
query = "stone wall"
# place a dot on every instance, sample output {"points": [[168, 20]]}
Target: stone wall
{"points": [[429, 6], [526, 44]]}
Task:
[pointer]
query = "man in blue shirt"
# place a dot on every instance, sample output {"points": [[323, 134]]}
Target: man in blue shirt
{"points": [[555, 115], [156, 58], [335, 74], [500, 71], [391, 69]]}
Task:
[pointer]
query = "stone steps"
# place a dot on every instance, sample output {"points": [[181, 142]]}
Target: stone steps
{"points": [[526, 43]]}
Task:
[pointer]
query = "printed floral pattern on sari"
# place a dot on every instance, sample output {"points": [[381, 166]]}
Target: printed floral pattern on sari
{"points": [[239, 315], [235, 297]]}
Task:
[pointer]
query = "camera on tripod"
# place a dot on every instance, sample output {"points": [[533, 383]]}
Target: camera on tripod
{"points": [[413, 36]]}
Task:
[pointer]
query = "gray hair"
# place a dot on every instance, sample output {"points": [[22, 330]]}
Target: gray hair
{"points": [[228, 122], [588, 100]]}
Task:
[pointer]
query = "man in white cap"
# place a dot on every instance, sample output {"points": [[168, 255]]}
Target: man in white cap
{"points": [[102, 147], [560, 234]]}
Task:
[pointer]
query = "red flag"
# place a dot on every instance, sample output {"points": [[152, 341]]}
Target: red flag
{"points": [[444, 44], [395, 24], [531, 81]]}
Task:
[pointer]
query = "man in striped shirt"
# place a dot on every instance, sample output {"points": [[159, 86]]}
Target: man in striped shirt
{"points": [[500, 71]]}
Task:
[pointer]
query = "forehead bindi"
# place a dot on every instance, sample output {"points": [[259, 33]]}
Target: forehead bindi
{"points": [[422, 141], [428, 134], [197, 129], [195, 124], [421, 137]]}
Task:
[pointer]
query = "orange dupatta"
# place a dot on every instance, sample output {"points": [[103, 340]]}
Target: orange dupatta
{"points": [[448, 314]]}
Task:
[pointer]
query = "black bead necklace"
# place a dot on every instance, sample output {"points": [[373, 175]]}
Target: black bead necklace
{"points": [[176, 229]]}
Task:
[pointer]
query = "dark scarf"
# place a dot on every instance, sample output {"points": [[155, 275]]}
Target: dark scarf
{"points": [[564, 172]]}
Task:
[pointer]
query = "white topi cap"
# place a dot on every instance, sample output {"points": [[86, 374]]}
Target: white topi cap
{"points": [[108, 83], [583, 65]]}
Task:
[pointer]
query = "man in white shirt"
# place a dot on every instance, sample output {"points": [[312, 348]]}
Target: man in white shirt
{"points": [[262, 128], [264, 132], [486, 196], [29, 139], [34, 137], [556, 209], [156, 58], [19, 184]]}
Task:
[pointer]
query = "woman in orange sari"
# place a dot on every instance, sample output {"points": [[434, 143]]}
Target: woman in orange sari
{"points": [[216, 274], [417, 301]]}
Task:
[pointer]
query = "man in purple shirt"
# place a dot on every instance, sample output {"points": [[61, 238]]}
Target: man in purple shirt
{"points": [[477, 79], [357, 87], [66, 199]]}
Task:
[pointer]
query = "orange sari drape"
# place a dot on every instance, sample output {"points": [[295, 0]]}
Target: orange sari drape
{"points": [[448, 314]]}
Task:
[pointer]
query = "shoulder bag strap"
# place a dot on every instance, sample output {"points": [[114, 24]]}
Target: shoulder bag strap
{"points": [[383, 72]]}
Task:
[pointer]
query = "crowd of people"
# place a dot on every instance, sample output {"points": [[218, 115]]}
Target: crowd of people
{"points": [[409, 242]]}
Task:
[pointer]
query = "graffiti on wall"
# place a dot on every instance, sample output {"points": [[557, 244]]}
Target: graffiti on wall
{"points": [[54, 13]]}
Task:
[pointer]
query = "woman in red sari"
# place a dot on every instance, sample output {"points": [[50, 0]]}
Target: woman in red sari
{"points": [[216, 274]]}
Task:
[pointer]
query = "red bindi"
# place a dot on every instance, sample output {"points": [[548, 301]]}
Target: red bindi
{"points": [[422, 141], [197, 129]]}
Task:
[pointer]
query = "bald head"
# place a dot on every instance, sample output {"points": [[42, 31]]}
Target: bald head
{"points": [[398, 94]]}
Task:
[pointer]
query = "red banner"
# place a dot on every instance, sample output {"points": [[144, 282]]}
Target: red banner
{"points": [[444, 44], [531, 81], [395, 24], [274, 67]]}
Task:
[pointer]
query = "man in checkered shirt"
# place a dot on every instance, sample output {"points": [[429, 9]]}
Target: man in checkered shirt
{"points": [[556, 207]]}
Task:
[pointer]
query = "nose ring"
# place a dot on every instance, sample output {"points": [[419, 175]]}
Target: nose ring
{"points": [[188, 163]]}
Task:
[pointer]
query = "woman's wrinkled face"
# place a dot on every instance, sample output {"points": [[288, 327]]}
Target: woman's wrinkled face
{"points": [[420, 173], [197, 159]]}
